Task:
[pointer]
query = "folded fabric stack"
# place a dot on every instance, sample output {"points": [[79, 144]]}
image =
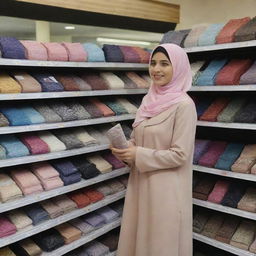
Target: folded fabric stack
{"points": [[140, 82], [246, 32], [36, 213], [69, 139], [175, 37], [75, 52], [67, 81], [203, 189], [49, 115], [8, 84], [249, 76], [34, 50], [26, 247], [84, 227], [110, 240], [11, 48], [208, 37], [102, 108], [213, 225], [129, 54], [69, 232], [94, 220], [95, 81], [65, 203], [52, 209], [79, 198], [115, 185], [93, 194], [116, 163], [6, 227], [108, 214], [6, 251], [19, 219], [101, 164], [94, 53], [199, 220], [112, 80], [56, 51], [248, 201], [95, 248]]}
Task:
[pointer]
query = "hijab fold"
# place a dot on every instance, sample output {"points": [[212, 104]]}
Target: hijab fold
{"points": [[160, 98]]}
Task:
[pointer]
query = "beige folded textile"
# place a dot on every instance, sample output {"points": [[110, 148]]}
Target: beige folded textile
{"points": [[65, 203], [84, 136], [113, 81], [213, 225], [101, 164], [248, 201], [8, 84], [19, 219], [53, 209], [69, 232], [30, 247]]}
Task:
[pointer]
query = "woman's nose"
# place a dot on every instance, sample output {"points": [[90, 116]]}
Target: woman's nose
{"points": [[157, 67]]}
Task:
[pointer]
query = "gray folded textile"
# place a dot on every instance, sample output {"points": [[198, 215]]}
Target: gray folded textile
{"points": [[116, 185], [49, 115], [175, 37], [108, 214], [82, 225], [249, 76], [101, 138], [80, 111], [96, 248], [104, 189], [94, 220], [70, 140], [66, 113], [117, 137]]}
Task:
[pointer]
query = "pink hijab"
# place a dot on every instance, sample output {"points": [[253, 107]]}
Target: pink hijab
{"points": [[159, 99]]}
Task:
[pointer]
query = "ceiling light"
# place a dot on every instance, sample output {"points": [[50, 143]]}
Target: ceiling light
{"points": [[121, 41], [69, 27]]}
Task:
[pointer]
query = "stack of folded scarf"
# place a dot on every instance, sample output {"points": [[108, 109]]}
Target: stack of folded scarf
{"points": [[3, 120], [131, 109], [247, 113], [8, 84], [112, 80], [175, 37], [34, 50], [199, 220], [201, 146], [83, 86], [11, 48], [52, 209], [130, 55], [65, 203], [219, 191], [101, 164], [115, 185], [26, 247], [101, 138], [80, 111], [82, 225], [84, 137], [116, 163], [194, 35], [128, 83], [104, 188], [69, 139], [103, 108], [6, 227], [110, 240], [94, 53], [108, 214], [75, 52], [249, 76], [143, 54], [6, 251], [49, 115], [115, 106], [246, 32], [36, 213], [95, 248], [56, 51], [203, 189], [64, 111], [69, 232], [93, 194], [79, 198], [95, 81], [213, 225], [67, 81], [138, 80], [248, 201], [94, 220], [113, 53], [208, 37], [19, 219]]}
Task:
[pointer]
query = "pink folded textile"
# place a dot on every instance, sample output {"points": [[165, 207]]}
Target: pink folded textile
{"points": [[56, 52], [139, 81], [34, 144], [34, 50], [75, 52], [144, 55], [130, 54], [219, 191], [6, 227], [213, 153]]}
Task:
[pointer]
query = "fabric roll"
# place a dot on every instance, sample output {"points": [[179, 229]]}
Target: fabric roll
{"points": [[128, 83], [83, 86], [65, 203], [110, 240], [13, 146], [209, 35], [69, 233], [139, 81], [95, 81], [75, 52], [91, 108], [247, 114], [48, 82], [34, 50], [26, 247], [87, 169], [6, 227], [227, 33], [207, 76], [199, 220], [130, 55], [36, 213], [108, 214], [67, 82], [112, 53], [49, 115], [19, 219], [213, 225], [65, 112], [246, 160], [34, 144], [214, 109], [116, 163], [104, 189], [231, 73], [52, 141], [203, 105], [201, 147], [27, 82], [234, 195], [79, 198], [246, 32], [249, 76], [232, 109], [215, 150], [70, 140], [6, 251], [248, 201], [11, 48], [229, 156], [94, 53], [52, 209], [49, 240], [101, 164], [101, 138], [94, 219], [8, 84], [56, 51], [143, 55], [96, 248], [115, 185], [194, 35], [93, 195], [175, 37], [82, 225], [131, 109], [113, 81], [80, 111], [244, 235], [84, 137], [8, 189], [115, 106], [219, 191], [3, 120], [203, 189], [227, 229], [103, 108]]}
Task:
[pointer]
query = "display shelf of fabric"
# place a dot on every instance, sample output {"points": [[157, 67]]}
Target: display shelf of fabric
{"points": [[223, 88], [50, 223], [244, 126]]}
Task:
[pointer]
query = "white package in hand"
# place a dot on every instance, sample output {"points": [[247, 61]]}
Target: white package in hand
{"points": [[117, 137]]}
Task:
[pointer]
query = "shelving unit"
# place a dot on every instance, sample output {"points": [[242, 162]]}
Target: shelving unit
{"points": [[227, 125]]}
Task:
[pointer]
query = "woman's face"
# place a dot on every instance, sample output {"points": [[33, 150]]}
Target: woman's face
{"points": [[160, 69]]}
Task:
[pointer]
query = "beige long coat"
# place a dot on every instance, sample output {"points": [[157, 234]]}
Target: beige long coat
{"points": [[157, 218]]}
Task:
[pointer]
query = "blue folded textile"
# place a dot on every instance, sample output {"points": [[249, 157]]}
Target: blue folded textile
{"points": [[94, 53], [208, 75], [15, 116], [13, 146], [113, 53], [12, 48], [36, 213], [48, 82], [33, 116], [73, 178], [209, 35], [229, 156], [64, 167]]}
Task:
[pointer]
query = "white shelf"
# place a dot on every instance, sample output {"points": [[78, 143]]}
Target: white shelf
{"points": [[49, 156], [230, 174], [223, 246], [223, 88], [59, 220], [69, 64], [245, 126], [219, 47], [65, 94], [59, 191], [84, 240], [221, 208], [48, 126]]}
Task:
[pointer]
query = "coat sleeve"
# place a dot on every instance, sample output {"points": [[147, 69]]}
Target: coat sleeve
{"points": [[132, 139], [181, 146]]}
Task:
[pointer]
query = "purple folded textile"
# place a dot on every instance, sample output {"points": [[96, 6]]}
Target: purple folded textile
{"points": [[6, 227], [113, 53], [249, 77], [12, 48], [108, 214], [116, 163], [201, 146], [130, 55], [94, 220]]}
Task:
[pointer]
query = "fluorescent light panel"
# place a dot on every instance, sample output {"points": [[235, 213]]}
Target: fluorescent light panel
{"points": [[121, 41], [69, 27]]}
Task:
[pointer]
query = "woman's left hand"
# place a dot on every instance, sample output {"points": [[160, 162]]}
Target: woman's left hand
{"points": [[127, 155]]}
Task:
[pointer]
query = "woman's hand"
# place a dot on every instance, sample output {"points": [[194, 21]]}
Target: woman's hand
{"points": [[127, 155]]}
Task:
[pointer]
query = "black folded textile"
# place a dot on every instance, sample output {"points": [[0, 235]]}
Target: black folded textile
{"points": [[113, 53], [49, 240], [36, 213], [87, 169], [12, 48], [110, 240], [247, 114], [70, 140]]}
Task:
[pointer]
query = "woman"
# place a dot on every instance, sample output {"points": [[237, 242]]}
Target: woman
{"points": [[157, 218]]}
